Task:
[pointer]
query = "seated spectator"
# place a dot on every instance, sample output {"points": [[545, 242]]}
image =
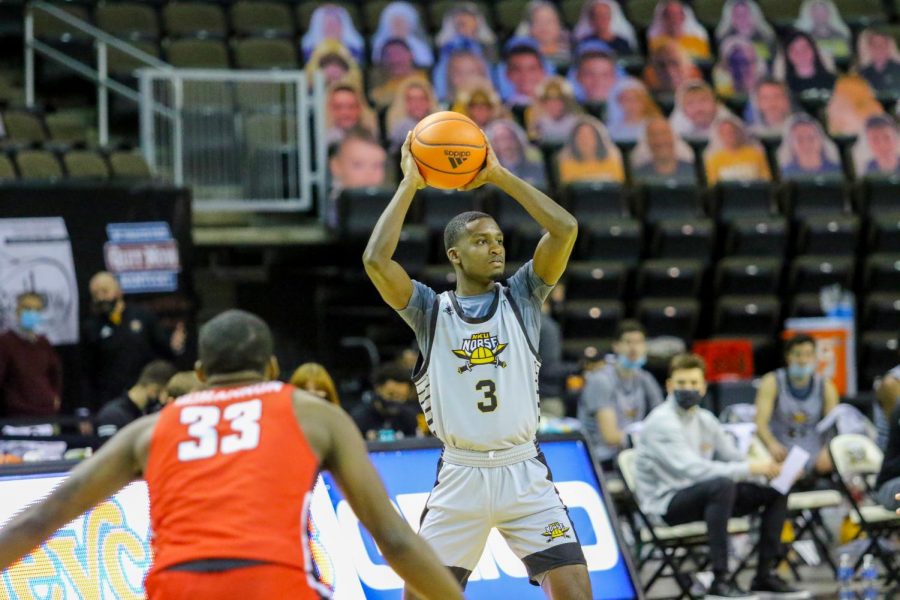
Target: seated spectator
{"points": [[744, 18], [515, 153], [413, 102], [618, 395], [336, 64], [803, 66], [877, 151], [739, 68], [480, 103], [460, 65], [887, 391], [668, 68], [821, 20], [594, 73], [628, 109], [314, 378], [30, 369], [345, 109], [851, 104], [180, 384], [791, 401], [590, 155], [806, 151], [394, 65], [553, 115], [133, 404], [732, 155], [688, 469], [465, 21], [358, 162], [887, 483], [695, 110], [603, 21], [524, 70], [769, 108], [660, 155], [674, 21], [401, 20], [543, 24], [879, 61], [333, 22], [388, 407]]}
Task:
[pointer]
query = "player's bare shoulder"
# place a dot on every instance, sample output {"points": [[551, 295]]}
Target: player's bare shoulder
{"points": [[140, 435], [320, 421]]}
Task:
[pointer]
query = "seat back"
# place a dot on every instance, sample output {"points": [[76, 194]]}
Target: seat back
{"points": [[855, 454], [626, 462]]}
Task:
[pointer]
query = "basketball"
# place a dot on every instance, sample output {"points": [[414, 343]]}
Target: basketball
{"points": [[449, 149]]}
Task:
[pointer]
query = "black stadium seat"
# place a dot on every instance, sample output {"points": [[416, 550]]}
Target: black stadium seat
{"points": [[684, 238], [748, 275], [757, 237], [596, 280], [747, 316], [812, 273], [671, 317], [882, 273], [669, 278], [611, 239], [591, 318], [829, 235]]}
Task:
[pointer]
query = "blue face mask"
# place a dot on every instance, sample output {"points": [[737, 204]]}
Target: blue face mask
{"points": [[801, 371], [30, 319], [626, 363]]}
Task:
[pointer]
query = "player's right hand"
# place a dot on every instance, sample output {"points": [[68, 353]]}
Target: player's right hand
{"points": [[778, 452], [408, 165], [768, 468]]}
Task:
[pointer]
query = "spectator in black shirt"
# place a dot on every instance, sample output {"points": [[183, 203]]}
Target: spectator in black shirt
{"points": [[888, 482], [389, 407], [879, 60], [803, 65], [118, 340], [133, 404]]}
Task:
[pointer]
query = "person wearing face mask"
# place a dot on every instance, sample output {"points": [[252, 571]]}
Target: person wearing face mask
{"points": [[118, 340], [689, 469], [133, 404], [388, 407], [790, 403], [619, 394], [30, 370]]}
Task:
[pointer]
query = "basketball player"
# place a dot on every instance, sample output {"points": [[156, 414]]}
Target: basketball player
{"points": [[477, 383], [230, 471]]}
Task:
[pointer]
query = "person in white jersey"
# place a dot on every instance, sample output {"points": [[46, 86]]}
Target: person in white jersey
{"points": [[477, 382]]}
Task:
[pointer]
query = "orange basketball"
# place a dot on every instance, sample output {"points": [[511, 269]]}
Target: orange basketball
{"points": [[449, 149]]}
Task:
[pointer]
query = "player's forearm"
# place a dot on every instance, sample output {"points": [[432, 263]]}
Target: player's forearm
{"points": [[414, 560], [22, 534], [386, 234], [543, 209]]}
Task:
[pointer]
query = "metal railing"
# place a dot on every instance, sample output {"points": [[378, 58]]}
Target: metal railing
{"points": [[98, 74], [241, 139]]}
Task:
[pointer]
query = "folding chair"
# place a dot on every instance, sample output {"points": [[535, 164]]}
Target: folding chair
{"points": [[856, 457], [672, 545]]}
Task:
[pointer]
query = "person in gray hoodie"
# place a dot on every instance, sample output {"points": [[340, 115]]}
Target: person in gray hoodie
{"points": [[688, 469]]}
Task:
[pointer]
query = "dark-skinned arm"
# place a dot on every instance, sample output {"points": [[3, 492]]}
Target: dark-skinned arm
{"points": [[389, 277], [553, 251]]}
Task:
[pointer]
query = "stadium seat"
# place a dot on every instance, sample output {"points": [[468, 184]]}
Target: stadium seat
{"points": [[675, 317], [684, 238], [861, 13], [85, 164], [591, 318], [128, 20], [197, 54], [439, 206], [708, 12], [812, 273], [882, 273], [606, 280], [612, 239], [815, 197], [509, 14], [657, 202], [7, 170], [878, 354], [829, 235], [24, 128], [261, 18], [740, 275], [51, 29], [780, 12], [590, 348], [595, 200], [120, 64], [743, 199], [67, 128], [522, 240], [38, 164], [881, 312], [194, 19], [747, 316], [668, 278], [265, 53], [806, 305], [359, 209], [884, 233], [640, 12], [878, 196], [571, 11], [129, 165], [757, 237]]}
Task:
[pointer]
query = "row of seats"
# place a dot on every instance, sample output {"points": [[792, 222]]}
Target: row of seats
{"points": [[27, 128], [74, 164]]}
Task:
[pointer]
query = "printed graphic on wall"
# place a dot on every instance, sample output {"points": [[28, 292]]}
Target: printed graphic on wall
{"points": [[143, 256]]}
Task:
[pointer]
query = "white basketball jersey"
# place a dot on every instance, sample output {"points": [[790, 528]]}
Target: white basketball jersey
{"points": [[478, 385]]}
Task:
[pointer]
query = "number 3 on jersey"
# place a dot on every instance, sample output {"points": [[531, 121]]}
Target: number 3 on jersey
{"points": [[243, 418], [489, 389]]}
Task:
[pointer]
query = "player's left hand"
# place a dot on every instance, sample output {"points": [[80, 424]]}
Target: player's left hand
{"points": [[491, 172], [411, 173]]}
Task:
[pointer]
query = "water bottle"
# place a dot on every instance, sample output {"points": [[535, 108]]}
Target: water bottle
{"points": [[845, 579], [868, 575]]}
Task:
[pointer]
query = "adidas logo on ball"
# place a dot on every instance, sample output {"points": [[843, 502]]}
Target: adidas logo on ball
{"points": [[457, 157]]}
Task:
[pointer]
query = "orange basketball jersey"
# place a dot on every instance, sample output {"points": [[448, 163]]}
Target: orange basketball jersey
{"points": [[230, 475]]}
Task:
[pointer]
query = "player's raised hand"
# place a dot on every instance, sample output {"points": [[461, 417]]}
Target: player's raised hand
{"points": [[489, 173], [408, 165]]}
